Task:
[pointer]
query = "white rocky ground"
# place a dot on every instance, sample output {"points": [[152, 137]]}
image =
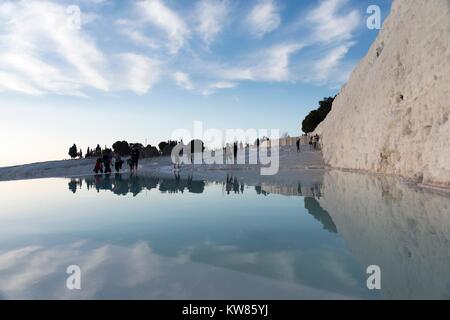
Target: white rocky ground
{"points": [[393, 114], [308, 164]]}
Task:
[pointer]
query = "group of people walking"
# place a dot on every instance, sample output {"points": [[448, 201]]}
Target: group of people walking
{"points": [[104, 164], [313, 143]]}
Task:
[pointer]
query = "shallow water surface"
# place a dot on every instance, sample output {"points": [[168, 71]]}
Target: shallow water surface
{"points": [[153, 238]]}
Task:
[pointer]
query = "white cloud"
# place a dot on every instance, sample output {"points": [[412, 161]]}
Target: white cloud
{"points": [[182, 80], [264, 18], [211, 15], [329, 25], [41, 53], [141, 72], [155, 12], [138, 37], [271, 65], [10, 82], [333, 24], [331, 60], [217, 86]]}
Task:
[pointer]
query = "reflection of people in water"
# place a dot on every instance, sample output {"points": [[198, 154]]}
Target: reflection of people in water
{"points": [[232, 183], [133, 184], [74, 184], [299, 189], [122, 185]]}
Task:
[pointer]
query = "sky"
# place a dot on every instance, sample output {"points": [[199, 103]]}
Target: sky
{"points": [[96, 71]]}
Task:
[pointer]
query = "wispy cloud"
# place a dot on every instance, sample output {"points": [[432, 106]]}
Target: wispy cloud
{"points": [[264, 18], [156, 13], [136, 36], [270, 65], [153, 41], [325, 66], [42, 52], [212, 88], [330, 24], [140, 72], [211, 15], [183, 80]]}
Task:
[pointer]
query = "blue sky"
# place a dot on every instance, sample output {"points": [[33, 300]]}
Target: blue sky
{"points": [[138, 70]]}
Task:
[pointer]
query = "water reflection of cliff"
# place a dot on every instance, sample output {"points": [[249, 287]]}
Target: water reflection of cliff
{"points": [[404, 230]]}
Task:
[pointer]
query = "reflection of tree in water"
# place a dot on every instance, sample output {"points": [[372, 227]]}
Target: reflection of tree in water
{"points": [[320, 214], [74, 184], [179, 185], [121, 185]]}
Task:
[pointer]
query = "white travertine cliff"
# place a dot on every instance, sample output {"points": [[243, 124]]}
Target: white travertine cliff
{"points": [[393, 114]]}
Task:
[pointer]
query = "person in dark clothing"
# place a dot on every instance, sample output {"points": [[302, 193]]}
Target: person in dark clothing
{"points": [[235, 150], [137, 155], [135, 158], [118, 164], [98, 166], [131, 164], [298, 145], [257, 143], [316, 141], [107, 163]]}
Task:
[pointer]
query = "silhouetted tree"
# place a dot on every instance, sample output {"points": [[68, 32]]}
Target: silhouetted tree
{"points": [[149, 152], [315, 117], [88, 153], [73, 151], [98, 151], [80, 154], [122, 148], [138, 146], [106, 151], [166, 147], [162, 145]]}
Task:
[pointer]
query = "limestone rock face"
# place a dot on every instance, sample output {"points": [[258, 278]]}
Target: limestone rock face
{"points": [[393, 114]]}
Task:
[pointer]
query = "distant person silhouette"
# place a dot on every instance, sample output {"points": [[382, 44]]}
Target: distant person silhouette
{"points": [[98, 166], [316, 141], [135, 154], [107, 163], [118, 163], [130, 164], [224, 155], [298, 145], [235, 150]]}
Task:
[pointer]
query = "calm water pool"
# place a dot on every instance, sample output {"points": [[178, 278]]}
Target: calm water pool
{"points": [[144, 237]]}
